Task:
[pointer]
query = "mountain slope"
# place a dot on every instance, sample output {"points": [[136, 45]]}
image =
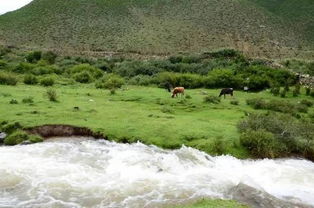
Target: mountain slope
{"points": [[163, 26]]}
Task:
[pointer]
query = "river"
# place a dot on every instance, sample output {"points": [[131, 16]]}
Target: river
{"points": [[82, 172]]}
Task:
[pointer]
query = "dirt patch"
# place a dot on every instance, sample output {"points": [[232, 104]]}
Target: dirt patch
{"points": [[47, 131]]}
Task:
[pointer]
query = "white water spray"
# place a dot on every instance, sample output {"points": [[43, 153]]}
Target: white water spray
{"points": [[88, 173]]}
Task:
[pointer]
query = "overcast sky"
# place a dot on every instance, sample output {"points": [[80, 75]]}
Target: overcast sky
{"points": [[10, 5]]}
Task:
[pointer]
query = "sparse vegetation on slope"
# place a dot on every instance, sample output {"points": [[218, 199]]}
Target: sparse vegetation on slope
{"points": [[283, 29]]}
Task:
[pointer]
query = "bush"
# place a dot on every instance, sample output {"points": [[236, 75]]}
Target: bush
{"points": [[307, 91], [83, 77], [292, 136], [20, 136], [8, 79], [28, 100], [296, 90], [218, 146], [308, 103], [47, 81], [212, 99], [24, 68], [283, 93], [111, 82], [33, 57], [175, 59], [234, 102], [30, 79], [275, 91], [50, 57], [143, 80], [52, 95], [3, 64], [16, 137], [84, 69], [13, 101], [42, 70], [10, 127], [257, 103], [261, 143], [223, 78]]}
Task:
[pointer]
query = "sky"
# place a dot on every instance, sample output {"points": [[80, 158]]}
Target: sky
{"points": [[10, 5]]}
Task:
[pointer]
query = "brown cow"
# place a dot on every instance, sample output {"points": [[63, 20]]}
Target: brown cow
{"points": [[176, 91]]}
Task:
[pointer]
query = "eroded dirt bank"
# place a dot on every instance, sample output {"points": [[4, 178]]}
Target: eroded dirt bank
{"points": [[53, 130]]}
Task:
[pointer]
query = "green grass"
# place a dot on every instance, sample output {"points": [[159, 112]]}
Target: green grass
{"points": [[136, 113], [213, 204], [271, 28]]}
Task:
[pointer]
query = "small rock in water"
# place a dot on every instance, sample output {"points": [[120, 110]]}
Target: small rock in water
{"points": [[2, 136], [26, 142]]}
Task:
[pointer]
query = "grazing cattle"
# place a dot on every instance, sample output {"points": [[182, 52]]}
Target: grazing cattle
{"points": [[226, 91], [177, 90]]}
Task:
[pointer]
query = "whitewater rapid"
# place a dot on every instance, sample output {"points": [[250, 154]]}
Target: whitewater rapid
{"points": [[80, 172]]}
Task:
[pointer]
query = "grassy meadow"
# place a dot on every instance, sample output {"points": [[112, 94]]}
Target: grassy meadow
{"points": [[147, 114]]}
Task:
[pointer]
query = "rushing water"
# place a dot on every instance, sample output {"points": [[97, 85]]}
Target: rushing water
{"points": [[87, 173]]}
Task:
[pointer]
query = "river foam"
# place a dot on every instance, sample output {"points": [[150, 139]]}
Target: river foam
{"points": [[83, 172]]}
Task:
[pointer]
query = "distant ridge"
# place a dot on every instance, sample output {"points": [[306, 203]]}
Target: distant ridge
{"points": [[259, 28]]}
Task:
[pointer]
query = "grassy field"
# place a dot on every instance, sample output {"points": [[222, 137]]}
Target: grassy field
{"points": [[272, 29], [147, 114]]}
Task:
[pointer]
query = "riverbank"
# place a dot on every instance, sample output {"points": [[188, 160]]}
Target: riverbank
{"points": [[146, 114]]}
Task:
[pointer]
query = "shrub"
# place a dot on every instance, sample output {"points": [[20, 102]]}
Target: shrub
{"points": [[30, 79], [283, 93], [7, 79], [312, 93], [296, 90], [308, 103], [143, 80], [41, 70], [33, 57], [256, 103], [257, 82], [83, 77], [111, 82], [191, 59], [87, 69], [16, 137], [307, 91], [13, 101], [212, 99], [175, 59], [260, 143], [52, 95], [10, 127], [35, 139], [47, 81], [28, 100], [275, 91], [292, 136], [234, 102], [50, 57], [218, 146], [223, 78], [24, 68], [20, 136], [3, 64]]}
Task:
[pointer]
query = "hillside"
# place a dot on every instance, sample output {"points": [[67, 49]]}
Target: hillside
{"points": [[263, 28]]}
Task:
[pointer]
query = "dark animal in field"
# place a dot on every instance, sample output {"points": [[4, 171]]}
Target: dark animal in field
{"points": [[226, 91], [177, 90], [168, 87]]}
